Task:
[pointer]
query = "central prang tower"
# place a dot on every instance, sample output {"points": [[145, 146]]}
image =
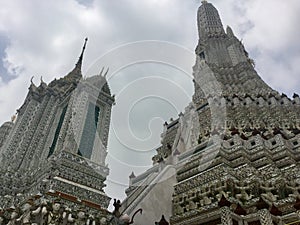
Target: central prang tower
{"points": [[243, 167], [235, 151]]}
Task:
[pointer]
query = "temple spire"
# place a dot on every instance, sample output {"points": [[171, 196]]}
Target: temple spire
{"points": [[79, 62], [209, 21], [76, 72]]}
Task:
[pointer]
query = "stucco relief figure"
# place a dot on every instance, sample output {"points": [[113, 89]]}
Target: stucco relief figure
{"points": [[67, 216], [40, 213], [91, 220], [242, 186], [124, 219], [117, 205], [298, 213], [294, 187], [268, 188], [192, 205], [220, 188], [205, 200], [103, 221], [1, 220], [191, 200], [25, 218], [81, 218], [55, 215], [1, 216], [178, 210], [13, 217]]}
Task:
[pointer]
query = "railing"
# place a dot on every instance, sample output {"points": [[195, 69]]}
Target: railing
{"points": [[136, 193], [151, 182], [144, 175]]}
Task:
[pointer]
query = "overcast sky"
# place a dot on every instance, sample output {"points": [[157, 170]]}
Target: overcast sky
{"points": [[44, 38]]}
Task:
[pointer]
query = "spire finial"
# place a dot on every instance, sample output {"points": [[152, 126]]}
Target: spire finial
{"points": [[31, 80], [101, 71], [106, 72], [79, 63]]}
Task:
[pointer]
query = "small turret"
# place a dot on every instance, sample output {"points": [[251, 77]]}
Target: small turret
{"points": [[131, 177], [229, 32], [43, 86], [32, 86], [296, 99], [42, 82]]}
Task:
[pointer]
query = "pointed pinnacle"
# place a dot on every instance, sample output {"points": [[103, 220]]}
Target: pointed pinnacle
{"points": [[101, 71], [79, 63], [106, 72], [31, 80]]}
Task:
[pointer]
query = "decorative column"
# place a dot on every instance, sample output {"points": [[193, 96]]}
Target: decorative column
{"points": [[297, 207], [265, 217], [224, 205], [226, 216]]}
